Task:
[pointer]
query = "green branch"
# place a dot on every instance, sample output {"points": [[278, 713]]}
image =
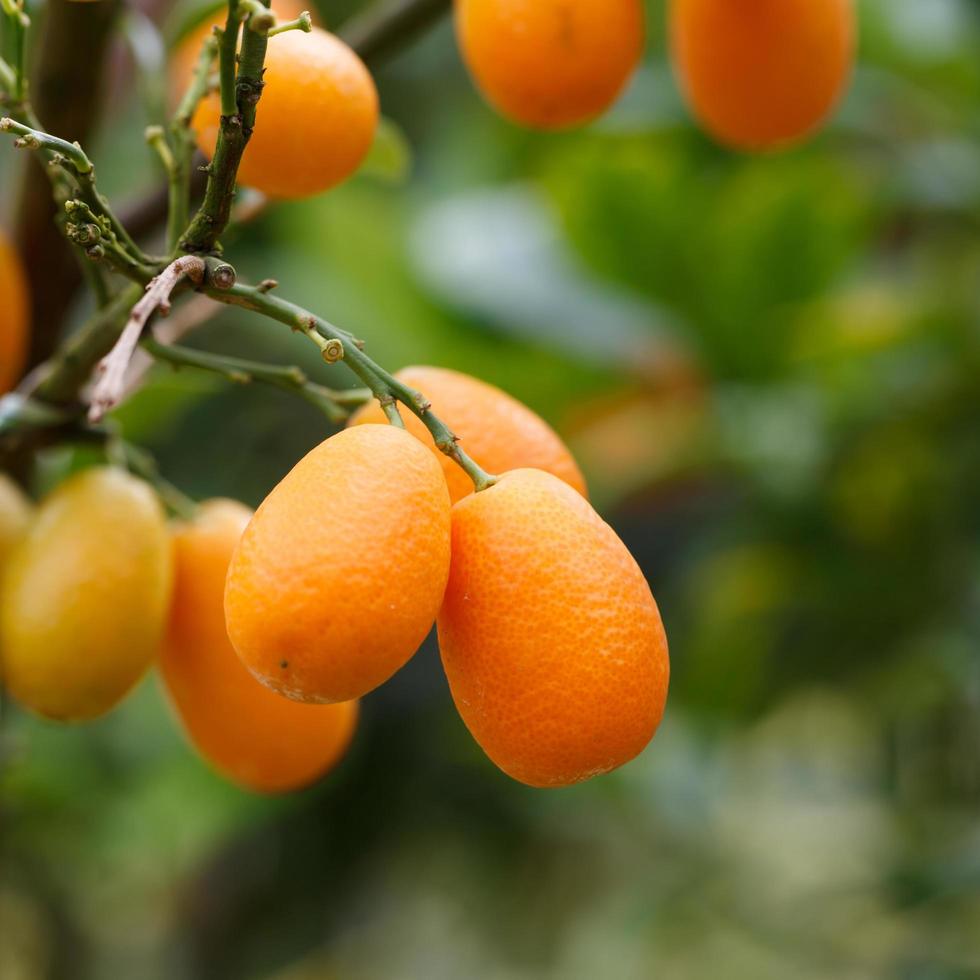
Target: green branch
{"points": [[183, 143], [387, 389], [58, 151], [336, 405], [63, 376], [72, 159], [95, 234], [8, 78], [240, 96]]}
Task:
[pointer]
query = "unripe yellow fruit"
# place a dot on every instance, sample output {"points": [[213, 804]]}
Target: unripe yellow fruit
{"points": [[16, 511], [85, 596]]}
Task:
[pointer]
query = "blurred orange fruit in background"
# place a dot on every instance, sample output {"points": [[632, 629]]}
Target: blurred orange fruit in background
{"points": [[550, 64], [761, 73], [316, 120]]}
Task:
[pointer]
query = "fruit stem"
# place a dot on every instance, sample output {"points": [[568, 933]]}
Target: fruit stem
{"points": [[71, 159], [302, 23]]}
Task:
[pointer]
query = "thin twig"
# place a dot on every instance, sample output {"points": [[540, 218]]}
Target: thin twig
{"points": [[337, 406], [72, 159], [183, 142], [111, 370], [240, 94], [69, 62]]}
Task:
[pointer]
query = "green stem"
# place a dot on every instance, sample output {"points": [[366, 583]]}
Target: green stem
{"points": [[239, 102], [302, 23], [226, 59], [71, 158], [8, 78], [51, 146], [18, 22], [182, 140], [66, 373], [95, 235], [386, 388], [337, 406], [70, 58]]}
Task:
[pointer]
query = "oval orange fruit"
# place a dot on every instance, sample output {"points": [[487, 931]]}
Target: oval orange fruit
{"points": [[496, 430], [316, 120], [551, 640], [762, 73], [550, 64], [339, 576], [253, 736], [85, 596], [14, 316]]}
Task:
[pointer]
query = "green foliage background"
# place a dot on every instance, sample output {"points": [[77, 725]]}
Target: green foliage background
{"points": [[770, 368]]}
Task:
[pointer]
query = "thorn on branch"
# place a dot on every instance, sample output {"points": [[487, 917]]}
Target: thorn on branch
{"points": [[111, 370], [267, 285], [222, 275], [448, 445], [332, 351]]}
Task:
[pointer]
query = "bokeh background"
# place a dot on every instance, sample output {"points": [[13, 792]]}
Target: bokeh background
{"points": [[770, 370]]}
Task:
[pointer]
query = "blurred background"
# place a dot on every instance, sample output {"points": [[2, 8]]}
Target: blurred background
{"points": [[769, 368]]}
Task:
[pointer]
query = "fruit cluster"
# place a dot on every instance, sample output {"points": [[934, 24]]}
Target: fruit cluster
{"points": [[550, 637], [269, 627], [757, 74]]}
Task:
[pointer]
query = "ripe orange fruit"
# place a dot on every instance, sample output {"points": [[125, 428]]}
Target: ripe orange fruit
{"points": [[184, 56], [14, 316], [550, 63], [339, 576], [85, 596], [256, 738], [316, 120], [761, 73], [550, 637], [16, 511], [498, 431]]}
